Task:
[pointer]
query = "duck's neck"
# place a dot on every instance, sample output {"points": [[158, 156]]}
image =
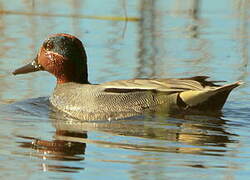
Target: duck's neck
{"points": [[73, 76], [66, 80]]}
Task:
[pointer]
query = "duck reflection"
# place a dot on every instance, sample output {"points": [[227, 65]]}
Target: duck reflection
{"points": [[200, 133], [55, 149], [59, 150], [192, 134]]}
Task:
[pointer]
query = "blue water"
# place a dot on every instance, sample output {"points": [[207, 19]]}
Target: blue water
{"points": [[162, 38]]}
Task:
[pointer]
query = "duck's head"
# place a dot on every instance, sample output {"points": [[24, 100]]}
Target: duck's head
{"points": [[62, 55]]}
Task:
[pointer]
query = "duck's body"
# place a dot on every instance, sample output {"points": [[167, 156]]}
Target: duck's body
{"points": [[64, 56], [125, 98]]}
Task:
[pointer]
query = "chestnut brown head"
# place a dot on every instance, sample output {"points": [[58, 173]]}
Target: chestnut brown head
{"points": [[62, 55]]}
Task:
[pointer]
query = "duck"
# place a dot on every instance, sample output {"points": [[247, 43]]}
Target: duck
{"points": [[64, 56]]}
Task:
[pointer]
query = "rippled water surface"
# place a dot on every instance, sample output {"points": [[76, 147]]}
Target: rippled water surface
{"points": [[126, 39]]}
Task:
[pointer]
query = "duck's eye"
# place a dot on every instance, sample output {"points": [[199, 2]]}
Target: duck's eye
{"points": [[48, 45]]}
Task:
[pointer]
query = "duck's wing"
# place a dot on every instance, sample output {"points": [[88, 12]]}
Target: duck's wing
{"points": [[195, 92], [162, 85]]}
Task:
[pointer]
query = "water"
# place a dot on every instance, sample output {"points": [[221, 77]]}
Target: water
{"points": [[161, 38]]}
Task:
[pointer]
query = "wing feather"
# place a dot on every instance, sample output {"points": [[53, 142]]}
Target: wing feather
{"points": [[164, 85]]}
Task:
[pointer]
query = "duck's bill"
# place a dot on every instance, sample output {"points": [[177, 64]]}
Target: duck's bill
{"points": [[31, 67]]}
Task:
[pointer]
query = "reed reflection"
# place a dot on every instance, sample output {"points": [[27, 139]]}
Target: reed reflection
{"points": [[147, 40], [242, 35]]}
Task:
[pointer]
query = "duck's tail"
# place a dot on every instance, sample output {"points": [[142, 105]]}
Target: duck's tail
{"points": [[210, 99]]}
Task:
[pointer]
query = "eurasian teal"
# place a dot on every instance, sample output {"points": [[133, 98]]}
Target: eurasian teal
{"points": [[64, 56]]}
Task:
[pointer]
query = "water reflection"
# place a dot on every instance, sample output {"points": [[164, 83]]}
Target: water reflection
{"points": [[58, 150], [242, 35], [47, 150], [194, 134], [147, 40], [194, 15], [188, 134]]}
